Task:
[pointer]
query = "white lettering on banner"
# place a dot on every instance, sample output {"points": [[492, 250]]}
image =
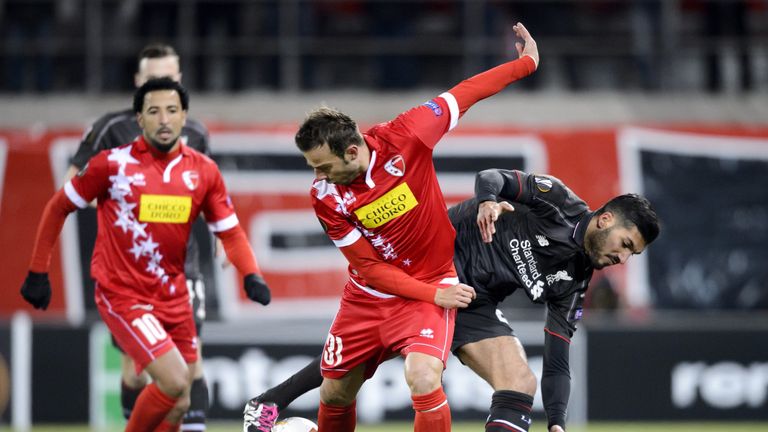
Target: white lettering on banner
{"points": [[723, 385], [237, 380]]}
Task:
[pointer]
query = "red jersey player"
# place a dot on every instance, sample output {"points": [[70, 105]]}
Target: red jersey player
{"points": [[149, 193], [377, 196]]}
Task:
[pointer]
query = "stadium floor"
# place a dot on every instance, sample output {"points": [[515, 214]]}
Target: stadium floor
{"points": [[478, 427]]}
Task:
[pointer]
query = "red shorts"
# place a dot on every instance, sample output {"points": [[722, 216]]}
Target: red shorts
{"points": [[147, 331], [372, 327]]}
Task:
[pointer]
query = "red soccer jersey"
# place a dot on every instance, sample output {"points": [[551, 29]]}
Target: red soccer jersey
{"points": [[146, 206], [397, 205]]}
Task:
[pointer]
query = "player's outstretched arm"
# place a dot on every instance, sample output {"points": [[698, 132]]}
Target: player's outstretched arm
{"points": [[492, 81], [36, 288], [391, 279]]}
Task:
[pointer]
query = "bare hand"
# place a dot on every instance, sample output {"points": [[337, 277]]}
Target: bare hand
{"points": [[457, 296], [556, 428], [528, 46], [487, 214]]}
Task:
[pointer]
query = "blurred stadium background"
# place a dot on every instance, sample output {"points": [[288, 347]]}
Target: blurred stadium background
{"points": [[665, 98]]}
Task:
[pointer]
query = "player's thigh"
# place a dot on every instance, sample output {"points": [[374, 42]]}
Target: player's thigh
{"points": [[342, 391], [501, 361]]}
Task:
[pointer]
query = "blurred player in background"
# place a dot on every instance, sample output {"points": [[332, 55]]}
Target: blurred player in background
{"points": [[377, 196], [547, 245], [149, 193], [116, 129]]}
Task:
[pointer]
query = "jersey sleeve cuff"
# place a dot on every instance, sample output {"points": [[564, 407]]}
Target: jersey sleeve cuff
{"points": [[228, 222], [453, 109], [348, 239], [73, 196]]}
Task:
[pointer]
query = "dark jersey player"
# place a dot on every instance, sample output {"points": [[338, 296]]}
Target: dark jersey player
{"points": [[116, 129], [535, 235]]}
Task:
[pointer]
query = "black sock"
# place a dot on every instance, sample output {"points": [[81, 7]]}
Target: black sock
{"points": [[128, 398], [299, 383], [509, 407], [198, 407]]}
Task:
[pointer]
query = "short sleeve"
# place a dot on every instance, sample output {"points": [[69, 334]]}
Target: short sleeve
{"points": [[339, 229], [90, 183], [431, 120]]}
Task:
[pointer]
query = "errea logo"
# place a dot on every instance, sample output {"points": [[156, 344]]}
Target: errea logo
{"points": [[427, 333]]}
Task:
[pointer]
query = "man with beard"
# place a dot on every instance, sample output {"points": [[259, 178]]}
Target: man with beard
{"points": [[115, 129], [149, 192], [534, 234]]}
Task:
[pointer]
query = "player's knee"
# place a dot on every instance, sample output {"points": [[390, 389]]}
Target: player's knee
{"points": [[335, 397], [520, 380], [183, 403], [423, 377], [173, 384]]}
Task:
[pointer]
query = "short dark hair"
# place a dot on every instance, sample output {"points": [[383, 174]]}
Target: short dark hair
{"points": [[156, 50], [155, 84], [328, 126], [634, 210]]}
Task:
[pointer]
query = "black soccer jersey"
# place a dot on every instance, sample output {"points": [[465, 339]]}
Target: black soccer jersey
{"points": [[538, 248], [117, 128]]}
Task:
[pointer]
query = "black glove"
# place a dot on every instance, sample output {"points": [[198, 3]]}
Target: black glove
{"points": [[256, 289], [37, 290]]}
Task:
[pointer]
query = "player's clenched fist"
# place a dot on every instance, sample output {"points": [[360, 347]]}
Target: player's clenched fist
{"points": [[457, 296], [37, 290], [256, 289]]}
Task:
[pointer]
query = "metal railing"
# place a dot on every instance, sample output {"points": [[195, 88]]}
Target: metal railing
{"points": [[298, 45]]}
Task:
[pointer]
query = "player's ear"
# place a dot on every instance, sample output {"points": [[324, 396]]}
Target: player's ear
{"points": [[352, 152], [606, 220], [140, 120]]}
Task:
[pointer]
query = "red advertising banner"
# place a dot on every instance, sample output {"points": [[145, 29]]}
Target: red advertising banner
{"points": [[269, 183]]}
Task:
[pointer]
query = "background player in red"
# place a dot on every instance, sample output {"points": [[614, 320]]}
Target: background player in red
{"points": [[378, 199], [113, 130], [149, 192]]}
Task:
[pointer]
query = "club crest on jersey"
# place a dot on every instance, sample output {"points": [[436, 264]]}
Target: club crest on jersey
{"points": [[191, 179], [390, 206], [434, 107], [543, 184], [395, 166]]}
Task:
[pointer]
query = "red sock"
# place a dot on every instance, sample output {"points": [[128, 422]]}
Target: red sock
{"points": [[150, 410], [336, 419], [432, 412], [165, 426]]}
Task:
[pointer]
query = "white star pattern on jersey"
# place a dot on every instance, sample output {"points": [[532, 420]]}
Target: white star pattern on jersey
{"points": [[143, 245]]}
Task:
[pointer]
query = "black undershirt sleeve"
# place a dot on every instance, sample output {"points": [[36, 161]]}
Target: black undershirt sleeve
{"points": [[556, 379]]}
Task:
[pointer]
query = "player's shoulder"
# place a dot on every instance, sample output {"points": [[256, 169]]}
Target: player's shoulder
{"points": [[555, 191]]}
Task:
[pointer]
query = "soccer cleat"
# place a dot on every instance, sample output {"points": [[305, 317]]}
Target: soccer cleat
{"points": [[259, 416]]}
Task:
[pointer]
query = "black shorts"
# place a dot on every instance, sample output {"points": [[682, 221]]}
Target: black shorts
{"points": [[196, 289], [478, 323]]}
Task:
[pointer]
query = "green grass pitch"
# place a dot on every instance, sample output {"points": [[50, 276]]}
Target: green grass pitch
{"points": [[478, 427]]}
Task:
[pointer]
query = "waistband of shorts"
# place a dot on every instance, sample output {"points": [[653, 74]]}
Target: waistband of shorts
{"points": [[448, 281]]}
